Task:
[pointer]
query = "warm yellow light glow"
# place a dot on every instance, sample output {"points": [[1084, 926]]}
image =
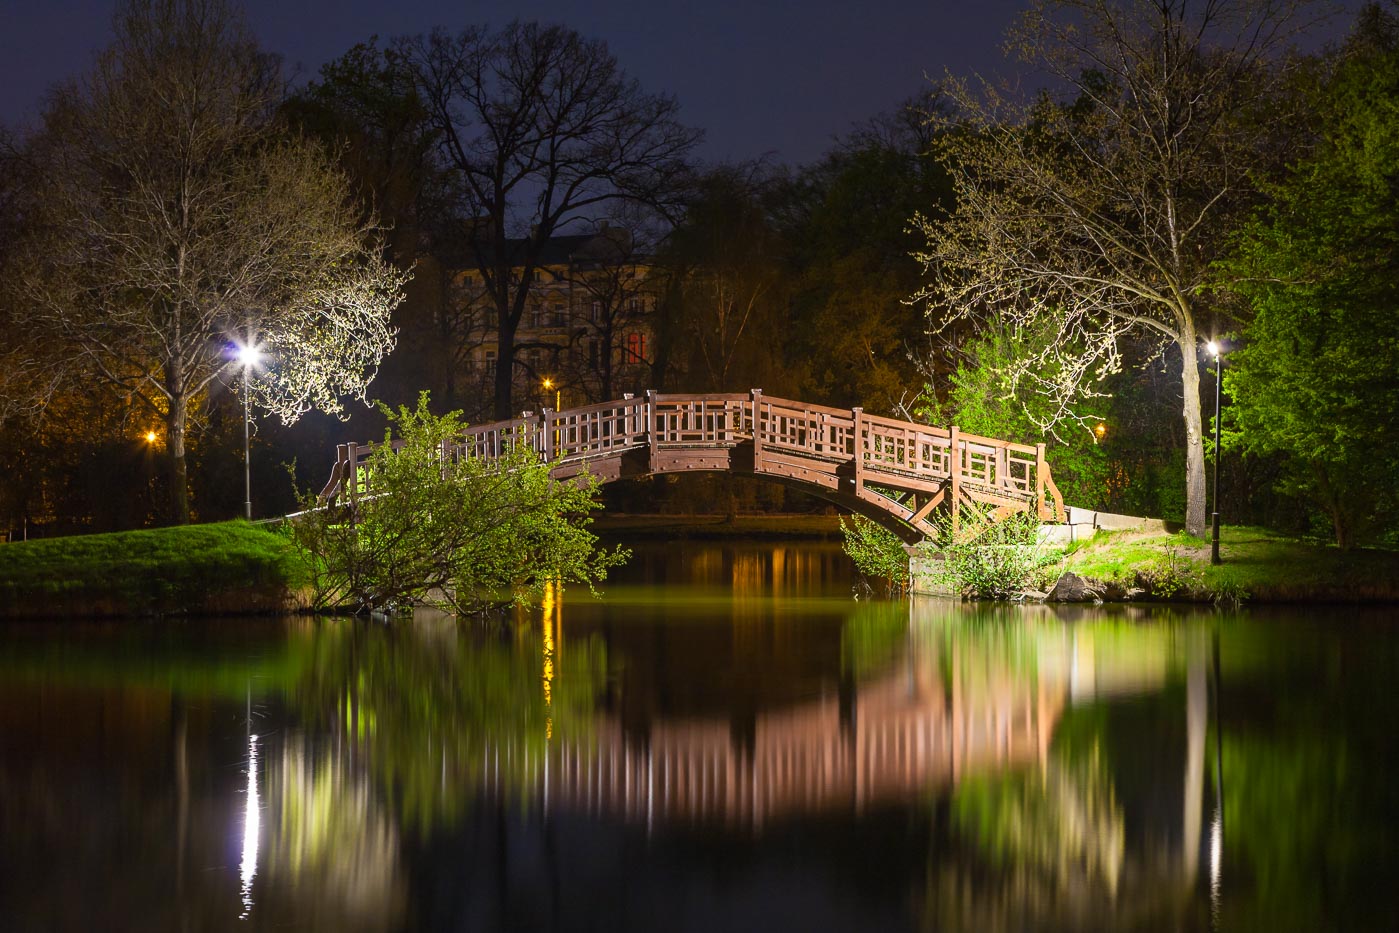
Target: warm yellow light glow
{"points": [[1100, 429], [548, 383], [150, 437]]}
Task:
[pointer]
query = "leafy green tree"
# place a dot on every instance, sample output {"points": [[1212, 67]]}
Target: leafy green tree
{"points": [[1102, 212], [1314, 381], [461, 533]]}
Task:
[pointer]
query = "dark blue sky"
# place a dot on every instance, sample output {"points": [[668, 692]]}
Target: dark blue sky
{"points": [[757, 76], [761, 76]]}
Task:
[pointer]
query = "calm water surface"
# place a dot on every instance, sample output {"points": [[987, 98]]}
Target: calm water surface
{"points": [[725, 741]]}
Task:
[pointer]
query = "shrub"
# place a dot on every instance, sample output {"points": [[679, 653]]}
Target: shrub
{"points": [[986, 558], [878, 554], [460, 535]]}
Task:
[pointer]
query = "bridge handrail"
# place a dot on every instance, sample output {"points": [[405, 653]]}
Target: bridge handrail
{"points": [[877, 445]]}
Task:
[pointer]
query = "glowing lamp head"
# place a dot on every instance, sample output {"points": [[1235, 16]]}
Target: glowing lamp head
{"points": [[548, 383], [249, 356], [150, 437], [1213, 347], [1100, 429]]}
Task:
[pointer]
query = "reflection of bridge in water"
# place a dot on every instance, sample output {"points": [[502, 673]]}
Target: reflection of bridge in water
{"points": [[935, 718], [904, 734]]}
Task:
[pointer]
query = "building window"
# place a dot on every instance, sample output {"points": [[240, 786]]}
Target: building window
{"points": [[488, 363], [597, 311], [634, 305], [558, 314], [537, 315], [636, 348]]}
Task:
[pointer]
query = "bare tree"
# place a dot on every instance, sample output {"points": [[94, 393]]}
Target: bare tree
{"points": [[1104, 212], [172, 219], [543, 129]]}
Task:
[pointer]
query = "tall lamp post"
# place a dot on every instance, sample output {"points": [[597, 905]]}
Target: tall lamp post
{"points": [[558, 392], [1215, 348], [248, 356]]}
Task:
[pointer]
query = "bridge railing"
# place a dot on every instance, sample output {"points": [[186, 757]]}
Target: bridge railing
{"points": [[882, 450], [701, 420]]}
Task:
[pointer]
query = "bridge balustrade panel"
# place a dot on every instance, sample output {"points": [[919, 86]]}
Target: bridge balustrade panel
{"points": [[997, 464], [492, 441], [814, 430], [597, 430], [901, 447], [702, 420]]}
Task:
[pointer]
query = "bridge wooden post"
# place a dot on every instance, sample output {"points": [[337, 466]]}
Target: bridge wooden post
{"points": [[1039, 483], [757, 431], [857, 447], [546, 436], [954, 467], [652, 437]]}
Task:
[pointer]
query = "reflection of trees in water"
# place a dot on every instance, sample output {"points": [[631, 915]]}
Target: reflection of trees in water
{"points": [[1051, 845], [438, 707], [1054, 838], [331, 845]]}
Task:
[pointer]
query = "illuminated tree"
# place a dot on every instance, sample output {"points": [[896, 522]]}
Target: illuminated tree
{"points": [[172, 218], [1314, 382], [1104, 212]]}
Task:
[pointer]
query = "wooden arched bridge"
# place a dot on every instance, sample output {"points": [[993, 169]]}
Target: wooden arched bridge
{"points": [[893, 472]]}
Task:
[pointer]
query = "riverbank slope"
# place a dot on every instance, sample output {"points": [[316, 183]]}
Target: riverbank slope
{"points": [[220, 568], [1257, 566]]}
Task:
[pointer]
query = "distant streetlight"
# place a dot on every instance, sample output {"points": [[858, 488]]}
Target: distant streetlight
{"points": [[150, 437], [1217, 351], [558, 391], [249, 355], [1100, 430]]}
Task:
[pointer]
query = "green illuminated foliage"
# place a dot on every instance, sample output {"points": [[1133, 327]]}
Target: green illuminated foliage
{"points": [[461, 535]]}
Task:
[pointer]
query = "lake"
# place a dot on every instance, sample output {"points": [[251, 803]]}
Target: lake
{"points": [[726, 739]]}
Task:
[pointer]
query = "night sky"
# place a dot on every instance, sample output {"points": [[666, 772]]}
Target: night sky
{"points": [[759, 77]]}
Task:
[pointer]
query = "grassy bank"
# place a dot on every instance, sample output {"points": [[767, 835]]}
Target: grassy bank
{"points": [[226, 567], [1258, 566], [717, 526]]}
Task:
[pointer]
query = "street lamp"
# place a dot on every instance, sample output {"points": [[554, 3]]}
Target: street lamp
{"points": [[1217, 350], [558, 391], [248, 356]]}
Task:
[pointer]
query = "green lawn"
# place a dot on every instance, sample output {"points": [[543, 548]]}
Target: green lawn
{"points": [[1259, 565], [228, 566]]}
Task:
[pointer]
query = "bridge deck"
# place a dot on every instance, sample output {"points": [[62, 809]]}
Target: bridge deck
{"points": [[895, 472]]}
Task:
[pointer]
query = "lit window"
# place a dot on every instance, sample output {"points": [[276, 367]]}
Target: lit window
{"points": [[636, 347]]}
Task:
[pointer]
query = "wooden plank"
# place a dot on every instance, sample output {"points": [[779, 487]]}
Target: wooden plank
{"points": [[932, 503]]}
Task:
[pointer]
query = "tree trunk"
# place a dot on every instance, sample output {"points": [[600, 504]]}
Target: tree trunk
{"points": [[504, 369], [175, 421], [1195, 517]]}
